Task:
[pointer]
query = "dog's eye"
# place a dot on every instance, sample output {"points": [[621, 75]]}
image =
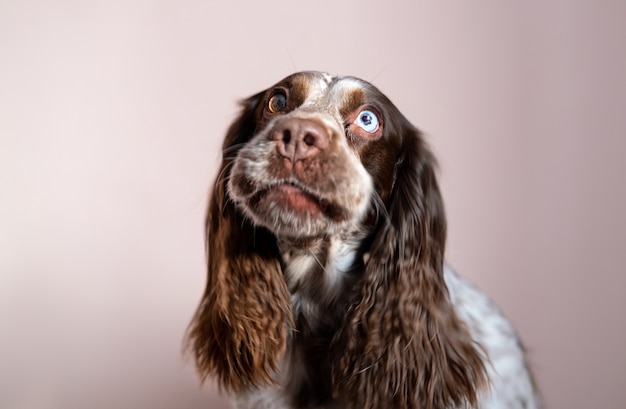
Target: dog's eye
{"points": [[367, 120], [277, 103]]}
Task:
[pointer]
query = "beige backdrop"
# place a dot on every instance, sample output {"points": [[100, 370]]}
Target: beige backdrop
{"points": [[111, 119]]}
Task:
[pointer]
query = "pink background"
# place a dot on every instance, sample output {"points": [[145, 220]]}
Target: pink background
{"points": [[111, 119]]}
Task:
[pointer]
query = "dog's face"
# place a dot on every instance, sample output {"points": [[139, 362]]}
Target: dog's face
{"points": [[321, 152]]}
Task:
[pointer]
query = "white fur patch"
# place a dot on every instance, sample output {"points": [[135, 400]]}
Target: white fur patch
{"points": [[297, 268], [317, 90], [341, 258]]}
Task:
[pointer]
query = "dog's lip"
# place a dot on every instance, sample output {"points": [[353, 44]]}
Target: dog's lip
{"points": [[297, 197]]}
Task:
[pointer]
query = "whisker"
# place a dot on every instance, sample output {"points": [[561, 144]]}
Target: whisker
{"points": [[232, 148], [224, 174], [377, 74], [293, 63], [317, 260]]}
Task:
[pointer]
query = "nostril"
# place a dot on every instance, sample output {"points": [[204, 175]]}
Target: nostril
{"points": [[309, 139], [297, 139], [286, 136]]}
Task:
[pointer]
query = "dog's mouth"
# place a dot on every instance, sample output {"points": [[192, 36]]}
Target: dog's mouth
{"points": [[297, 199]]}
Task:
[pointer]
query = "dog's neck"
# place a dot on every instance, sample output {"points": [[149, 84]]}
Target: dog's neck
{"points": [[319, 273]]}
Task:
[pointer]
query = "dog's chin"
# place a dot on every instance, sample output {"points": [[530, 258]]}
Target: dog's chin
{"points": [[291, 211]]}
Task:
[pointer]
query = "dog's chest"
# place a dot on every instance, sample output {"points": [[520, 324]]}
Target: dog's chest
{"points": [[318, 278]]}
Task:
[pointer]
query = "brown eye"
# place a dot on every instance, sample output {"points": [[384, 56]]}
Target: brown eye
{"points": [[277, 103]]}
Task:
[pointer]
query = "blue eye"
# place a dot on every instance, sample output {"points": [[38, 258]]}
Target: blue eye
{"points": [[367, 120]]}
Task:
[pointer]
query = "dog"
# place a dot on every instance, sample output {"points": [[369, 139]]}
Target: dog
{"points": [[327, 288]]}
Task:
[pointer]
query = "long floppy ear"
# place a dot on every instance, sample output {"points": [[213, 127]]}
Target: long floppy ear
{"points": [[239, 330], [402, 345]]}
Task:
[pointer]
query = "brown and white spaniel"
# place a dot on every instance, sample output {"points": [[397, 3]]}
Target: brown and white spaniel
{"points": [[325, 238]]}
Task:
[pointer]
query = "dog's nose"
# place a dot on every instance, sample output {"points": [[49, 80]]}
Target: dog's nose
{"points": [[298, 138]]}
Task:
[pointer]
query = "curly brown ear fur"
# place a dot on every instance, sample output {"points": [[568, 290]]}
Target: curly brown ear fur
{"points": [[240, 328], [402, 345]]}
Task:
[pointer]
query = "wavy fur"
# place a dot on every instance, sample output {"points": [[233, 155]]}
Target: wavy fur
{"points": [[239, 331], [402, 345]]}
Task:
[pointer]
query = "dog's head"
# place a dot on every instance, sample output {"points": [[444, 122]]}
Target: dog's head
{"points": [[319, 156], [319, 153]]}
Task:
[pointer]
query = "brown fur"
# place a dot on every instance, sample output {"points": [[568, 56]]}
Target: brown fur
{"points": [[240, 328]]}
